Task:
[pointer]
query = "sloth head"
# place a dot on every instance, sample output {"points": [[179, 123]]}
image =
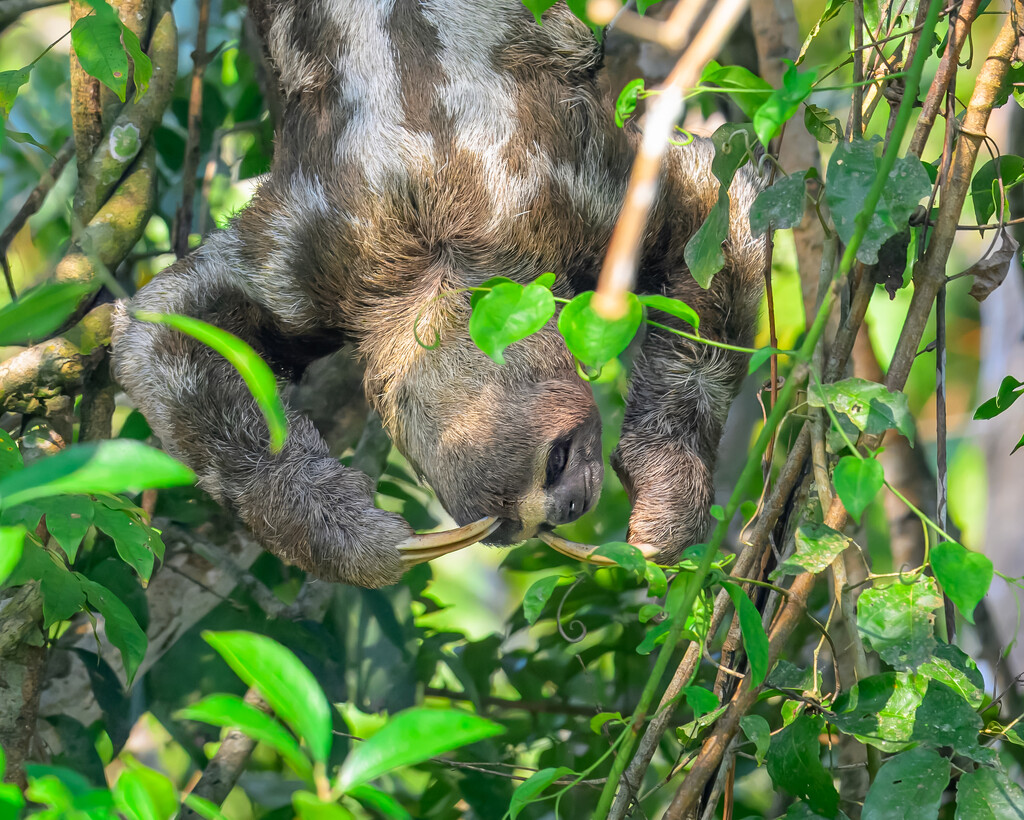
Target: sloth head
{"points": [[520, 441]]}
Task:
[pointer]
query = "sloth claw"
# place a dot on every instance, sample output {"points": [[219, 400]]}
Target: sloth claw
{"points": [[585, 552], [423, 547]]}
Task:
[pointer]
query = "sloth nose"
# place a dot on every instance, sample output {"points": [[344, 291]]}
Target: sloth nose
{"points": [[569, 501]]}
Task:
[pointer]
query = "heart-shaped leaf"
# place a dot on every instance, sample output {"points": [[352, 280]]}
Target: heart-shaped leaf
{"points": [[509, 313], [964, 575], [857, 481], [593, 339]]}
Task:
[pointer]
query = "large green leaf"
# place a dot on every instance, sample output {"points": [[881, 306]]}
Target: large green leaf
{"points": [[508, 313], [122, 629], [953, 667], [40, 311], [591, 338], [96, 40], [143, 794], [755, 641], [68, 518], [11, 542], [964, 575], [794, 764], [944, 718], [411, 737], [288, 686], [107, 467], [232, 711], [255, 372], [988, 794], [908, 787], [742, 86], [898, 621], [857, 481], [879, 710], [781, 205], [62, 591], [131, 540]]}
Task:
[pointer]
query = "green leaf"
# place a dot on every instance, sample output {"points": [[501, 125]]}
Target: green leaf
{"points": [[794, 764], [821, 125], [703, 253], [68, 518], [114, 466], [758, 731], [288, 686], [143, 66], [953, 667], [529, 790], [908, 787], [61, 589], [832, 9], [755, 641], [625, 555], [232, 711], [130, 539], [964, 575], [255, 372], [381, 803], [143, 794], [591, 338], [310, 807], [626, 103], [783, 103], [96, 40], [545, 280], [40, 311], [673, 307], [10, 455], [857, 481], [10, 82], [944, 718], [985, 184], [869, 405], [741, 85], [988, 794], [537, 597], [12, 540], [898, 620], [538, 7], [484, 288], [598, 721], [879, 710], [759, 357], [817, 546], [203, 807], [508, 313], [780, 206], [657, 583], [851, 173], [409, 738], [1010, 389], [122, 629], [654, 637], [702, 701]]}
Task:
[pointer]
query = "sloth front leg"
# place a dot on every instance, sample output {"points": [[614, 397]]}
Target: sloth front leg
{"points": [[301, 503]]}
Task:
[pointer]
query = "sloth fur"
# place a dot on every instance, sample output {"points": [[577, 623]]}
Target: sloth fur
{"points": [[426, 146]]}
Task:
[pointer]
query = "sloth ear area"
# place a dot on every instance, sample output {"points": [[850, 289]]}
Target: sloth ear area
{"points": [[423, 547]]}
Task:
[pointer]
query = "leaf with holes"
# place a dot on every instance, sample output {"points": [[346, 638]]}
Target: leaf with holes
{"points": [[781, 206], [857, 481], [965, 576], [872, 407], [908, 787], [898, 621], [96, 40], [593, 339], [509, 313], [817, 546]]}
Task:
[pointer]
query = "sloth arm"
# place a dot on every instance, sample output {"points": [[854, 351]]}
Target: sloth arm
{"points": [[301, 503], [680, 391]]}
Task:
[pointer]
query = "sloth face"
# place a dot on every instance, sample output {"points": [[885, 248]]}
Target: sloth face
{"points": [[519, 441]]}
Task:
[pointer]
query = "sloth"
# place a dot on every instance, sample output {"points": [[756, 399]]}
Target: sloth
{"points": [[424, 147]]}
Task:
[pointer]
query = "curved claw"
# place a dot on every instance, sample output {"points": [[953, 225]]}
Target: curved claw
{"points": [[424, 547], [585, 552]]}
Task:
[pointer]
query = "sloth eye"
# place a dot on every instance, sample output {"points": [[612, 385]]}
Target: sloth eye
{"points": [[558, 458]]}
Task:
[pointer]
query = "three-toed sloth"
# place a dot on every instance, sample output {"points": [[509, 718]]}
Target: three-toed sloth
{"points": [[426, 146]]}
